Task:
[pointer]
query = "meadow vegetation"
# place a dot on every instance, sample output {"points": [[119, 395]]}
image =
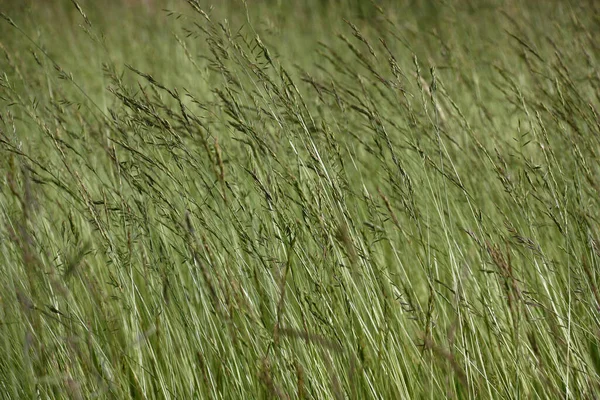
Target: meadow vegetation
{"points": [[299, 200]]}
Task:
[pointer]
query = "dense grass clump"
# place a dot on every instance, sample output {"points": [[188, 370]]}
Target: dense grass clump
{"points": [[319, 200]]}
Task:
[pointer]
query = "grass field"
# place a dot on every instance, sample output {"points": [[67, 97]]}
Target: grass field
{"points": [[314, 200]]}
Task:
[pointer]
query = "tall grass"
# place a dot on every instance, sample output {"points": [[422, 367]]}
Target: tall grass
{"points": [[268, 200]]}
